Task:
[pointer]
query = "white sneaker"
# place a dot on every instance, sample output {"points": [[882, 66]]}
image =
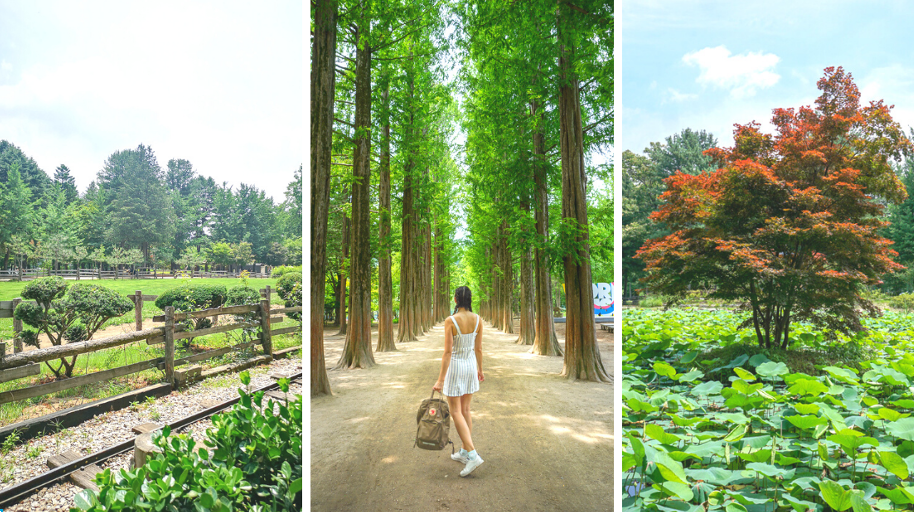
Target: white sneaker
{"points": [[471, 465], [463, 459]]}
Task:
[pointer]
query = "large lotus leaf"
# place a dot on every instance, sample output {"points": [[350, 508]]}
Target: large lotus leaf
{"points": [[669, 469], [712, 387], [757, 360], [756, 456], [743, 374], [806, 408], [797, 504], [731, 417], [808, 387], [691, 376], [891, 414], [754, 443], [657, 432], [685, 422], [665, 370], [897, 495], [639, 406], [715, 475], [902, 429], [709, 449], [835, 495], [677, 506], [842, 374], [772, 369], [771, 471], [806, 422], [904, 403], [894, 463], [680, 490]]}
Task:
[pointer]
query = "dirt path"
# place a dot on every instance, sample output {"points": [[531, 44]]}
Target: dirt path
{"points": [[547, 442]]}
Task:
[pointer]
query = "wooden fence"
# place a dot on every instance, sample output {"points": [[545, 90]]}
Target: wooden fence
{"points": [[92, 273], [25, 364]]}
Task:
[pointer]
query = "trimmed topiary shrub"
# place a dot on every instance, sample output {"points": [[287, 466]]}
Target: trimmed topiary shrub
{"points": [[62, 314], [289, 288], [196, 297], [256, 464]]}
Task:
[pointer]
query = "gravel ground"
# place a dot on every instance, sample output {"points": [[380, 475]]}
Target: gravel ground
{"points": [[30, 459]]}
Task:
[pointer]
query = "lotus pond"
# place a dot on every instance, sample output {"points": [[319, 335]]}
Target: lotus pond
{"points": [[750, 434]]}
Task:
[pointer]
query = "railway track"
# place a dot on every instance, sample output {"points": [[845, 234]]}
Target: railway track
{"points": [[17, 493]]}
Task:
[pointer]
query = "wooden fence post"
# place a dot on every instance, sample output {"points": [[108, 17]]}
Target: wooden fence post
{"points": [[17, 328], [2, 351], [170, 345], [138, 310], [266, 339]]}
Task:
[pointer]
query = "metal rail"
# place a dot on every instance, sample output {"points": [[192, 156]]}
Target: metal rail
{"points": [[17, 493]]}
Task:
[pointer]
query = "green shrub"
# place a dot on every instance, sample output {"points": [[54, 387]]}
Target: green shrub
{"points": [[256, 464], [193, 297], [289, 288], [196, 297], [905, 302], [71, 315], [283, 270]]}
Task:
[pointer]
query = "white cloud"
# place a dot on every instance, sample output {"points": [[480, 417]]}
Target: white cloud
{"points": [[678, 97], [5, 66], [742, 74], [894, 85]]}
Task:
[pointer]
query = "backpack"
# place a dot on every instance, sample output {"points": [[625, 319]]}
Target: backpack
{"points": [[434, 419]]}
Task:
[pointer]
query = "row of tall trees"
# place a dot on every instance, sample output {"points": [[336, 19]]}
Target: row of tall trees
{"points": [[381, 174], [137, 213], [387, 197], [538, 86]]}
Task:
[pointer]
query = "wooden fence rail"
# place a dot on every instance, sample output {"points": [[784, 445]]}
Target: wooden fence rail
{"points": [[25, 364]]}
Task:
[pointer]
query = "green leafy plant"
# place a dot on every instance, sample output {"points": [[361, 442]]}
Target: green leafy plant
{"points": [[252, 460], [67, 315], [289, 288], [189, 297]]}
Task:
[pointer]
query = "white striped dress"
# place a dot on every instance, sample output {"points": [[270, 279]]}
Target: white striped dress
{"points": [[461, 378]]}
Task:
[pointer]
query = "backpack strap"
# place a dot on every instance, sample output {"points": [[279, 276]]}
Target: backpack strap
{"points": [[454, 320]]}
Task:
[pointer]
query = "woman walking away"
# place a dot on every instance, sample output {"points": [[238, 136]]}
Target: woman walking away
{"points": [[461, 373]]}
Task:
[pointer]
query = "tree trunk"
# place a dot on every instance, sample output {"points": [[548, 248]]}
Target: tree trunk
{"points": [[582, 354], [527, 331], [344, 276], [409, 326], [546, 342], [385, 277], [507, 282], [357, 348]]}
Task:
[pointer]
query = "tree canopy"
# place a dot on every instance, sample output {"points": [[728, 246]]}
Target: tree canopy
{"points": [[789, 225]]}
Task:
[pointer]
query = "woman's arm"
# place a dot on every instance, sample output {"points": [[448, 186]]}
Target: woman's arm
{"points": [[478, 349], [446, 358]]}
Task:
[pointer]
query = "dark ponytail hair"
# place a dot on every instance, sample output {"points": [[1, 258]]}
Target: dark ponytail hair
{"points": [[464, 299]]}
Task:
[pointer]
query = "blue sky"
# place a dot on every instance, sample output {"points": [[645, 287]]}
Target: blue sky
{"points": [[219, 83], [707, 65]]}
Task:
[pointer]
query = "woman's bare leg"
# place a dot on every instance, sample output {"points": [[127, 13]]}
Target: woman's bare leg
{"points": [[465, 409], [454, 404]]}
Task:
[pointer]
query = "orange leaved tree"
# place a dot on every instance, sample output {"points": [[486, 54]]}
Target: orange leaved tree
{"points": [[788, 226]]}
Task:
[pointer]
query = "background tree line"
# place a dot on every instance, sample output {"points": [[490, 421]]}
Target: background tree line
{"points": [[137, 213]]}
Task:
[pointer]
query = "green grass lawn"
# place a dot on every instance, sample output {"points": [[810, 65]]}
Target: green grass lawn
{"points": [[127, 354]]}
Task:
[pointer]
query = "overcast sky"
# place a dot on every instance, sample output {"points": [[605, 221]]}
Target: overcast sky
{"points": [[706, 65], [217, 83]]}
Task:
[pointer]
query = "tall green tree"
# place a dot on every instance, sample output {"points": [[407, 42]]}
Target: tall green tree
{"points": [[139, 211]]}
